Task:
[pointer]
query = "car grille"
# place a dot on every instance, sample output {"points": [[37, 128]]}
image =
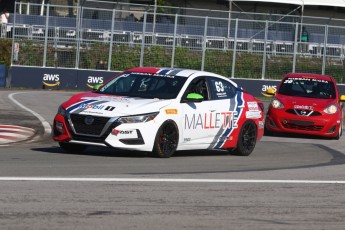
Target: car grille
{"points": [[81, 127], [302, 112], [86, 136], [302, 125]]}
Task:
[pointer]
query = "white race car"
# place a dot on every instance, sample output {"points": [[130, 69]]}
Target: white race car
{"points": [[162, 110]]}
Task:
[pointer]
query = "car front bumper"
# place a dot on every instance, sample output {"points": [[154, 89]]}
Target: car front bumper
{"points": [[325, 125], [134, 136]]}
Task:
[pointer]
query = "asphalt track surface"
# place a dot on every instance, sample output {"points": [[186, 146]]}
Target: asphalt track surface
{"points": [[286, 183]]}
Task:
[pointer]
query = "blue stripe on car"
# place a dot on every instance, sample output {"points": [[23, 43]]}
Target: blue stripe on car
{"points": [[175, 72], [72, 107], [164, 71]]}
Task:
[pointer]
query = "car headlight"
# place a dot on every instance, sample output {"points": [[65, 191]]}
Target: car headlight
{"points": [[331, 109], [138, 118], [61, 111], [277, 104]]}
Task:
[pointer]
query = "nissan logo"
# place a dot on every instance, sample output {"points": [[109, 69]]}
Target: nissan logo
{"points": [[89, 120]]}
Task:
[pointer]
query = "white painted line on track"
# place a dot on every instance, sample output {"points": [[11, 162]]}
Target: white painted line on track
{"points": [[167, 180], [45, 124]]}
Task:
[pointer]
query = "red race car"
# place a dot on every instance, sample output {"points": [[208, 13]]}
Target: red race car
{"points": [[306, 103]]}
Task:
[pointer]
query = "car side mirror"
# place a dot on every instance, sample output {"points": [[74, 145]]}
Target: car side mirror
{"points": [[342, 98], [271, 91], [194, 97], [96, 87]]}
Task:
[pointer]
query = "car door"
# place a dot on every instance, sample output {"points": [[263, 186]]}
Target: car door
{"points": [[205, 122], [227, 104], [197, 117]]}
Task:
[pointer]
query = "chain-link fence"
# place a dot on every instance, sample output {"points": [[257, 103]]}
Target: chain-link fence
{"points": [[112, 39]]}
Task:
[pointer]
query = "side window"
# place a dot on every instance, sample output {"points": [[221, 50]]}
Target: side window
{"points": [[199, 85], [221, 89]]}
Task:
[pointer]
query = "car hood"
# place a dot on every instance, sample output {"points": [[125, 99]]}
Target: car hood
{"points": [[111, 106], [305, 103]]}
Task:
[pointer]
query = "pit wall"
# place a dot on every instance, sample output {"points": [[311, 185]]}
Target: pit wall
{"points": [[84, 80]]}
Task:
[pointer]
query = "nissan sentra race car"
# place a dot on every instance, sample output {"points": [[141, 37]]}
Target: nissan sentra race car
{"points": [[160, 111], [306, 104]]}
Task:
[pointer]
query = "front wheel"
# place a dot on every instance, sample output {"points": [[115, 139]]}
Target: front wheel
{"points": [[72, 148], [340, 132], [246, 139], [166, 140]]}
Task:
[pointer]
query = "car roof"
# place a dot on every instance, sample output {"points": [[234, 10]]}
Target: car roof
{"points": [[169, 71], [309, 75]]}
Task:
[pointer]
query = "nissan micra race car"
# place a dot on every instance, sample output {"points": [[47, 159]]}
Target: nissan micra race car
{"points": [[307, 104], [160, 111]]}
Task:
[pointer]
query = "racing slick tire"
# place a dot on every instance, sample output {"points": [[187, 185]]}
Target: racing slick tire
{"points": [[166, 140], [246, 139], [72, 148]]}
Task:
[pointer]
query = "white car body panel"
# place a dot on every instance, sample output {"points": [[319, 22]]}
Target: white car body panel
{"points": [[203, 124]]}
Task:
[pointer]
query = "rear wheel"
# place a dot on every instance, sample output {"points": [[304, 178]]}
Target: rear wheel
{"points": [[246, 139], [166, 140], [72, 148]]}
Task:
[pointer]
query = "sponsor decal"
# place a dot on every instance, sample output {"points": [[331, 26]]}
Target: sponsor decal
{"points": [[303, 107], [76, 105], [253, 114], [124, 132], [160, 74], [171, 111], [303, 78], [261, 124], [220, 89], [109, 108], [51, 80], [90, 106], [264, 88], [90, 112], [252, 106], [211, 120], [93, 80]]}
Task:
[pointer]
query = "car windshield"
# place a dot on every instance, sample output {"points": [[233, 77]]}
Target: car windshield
{"points": [[307, 87], [144, 85]]}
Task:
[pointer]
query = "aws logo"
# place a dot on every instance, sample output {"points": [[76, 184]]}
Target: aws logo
{"points": [[92, 80], [51, 79], [265, 88]]}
